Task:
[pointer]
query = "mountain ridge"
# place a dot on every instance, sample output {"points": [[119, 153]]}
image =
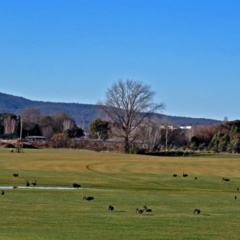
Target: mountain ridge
{"points": [[83, 114]]}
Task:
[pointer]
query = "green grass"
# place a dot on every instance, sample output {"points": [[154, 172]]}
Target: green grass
{"points": [[126, 182]]}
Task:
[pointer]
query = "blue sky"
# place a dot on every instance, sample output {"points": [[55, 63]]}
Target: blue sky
{"points": [[188, 51]]}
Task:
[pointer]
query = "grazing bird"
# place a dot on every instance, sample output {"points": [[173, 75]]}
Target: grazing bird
{"points": [[27, 184], [3, 192], [195, 178], [235, 197], [237, 189], [76, 185], [197, 211], [14, 186], [226, 179], [139, 211], [15, 174], [185, 175], [175, 175], [110, 208], [88, 198], [147, 209], [34, 183]]}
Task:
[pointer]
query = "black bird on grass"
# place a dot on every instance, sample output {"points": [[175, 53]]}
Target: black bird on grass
{"points": [[27, 184], [139, 211], [76, 185], [185, 175], [34, 183], [147, 209], [110, 208], [3, 193], [175, 175], [88, 198], [15, 174], [197, 211], [226, 179]]}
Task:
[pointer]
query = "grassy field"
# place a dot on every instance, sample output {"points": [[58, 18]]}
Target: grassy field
{"points": [[126, 182]]}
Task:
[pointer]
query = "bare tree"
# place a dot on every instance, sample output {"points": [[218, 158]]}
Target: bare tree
{"points": [[127, 104], [168, 131], [9, 123], [31, 115], [46, 124], [67, 124], [47, 131], [59, 118], [150, 133], [206, 133]]}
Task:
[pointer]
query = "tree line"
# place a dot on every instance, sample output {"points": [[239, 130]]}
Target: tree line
{"points": [[130, 118], [31, 122], [151, 136]]}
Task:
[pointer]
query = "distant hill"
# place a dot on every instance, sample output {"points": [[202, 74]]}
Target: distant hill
{"points": [[83, 114]]}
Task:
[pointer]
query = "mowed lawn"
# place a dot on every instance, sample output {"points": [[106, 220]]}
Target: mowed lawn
{"points": [[126, 182]]}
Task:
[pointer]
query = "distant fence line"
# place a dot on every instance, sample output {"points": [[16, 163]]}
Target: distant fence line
{"points": [[82, 143]]}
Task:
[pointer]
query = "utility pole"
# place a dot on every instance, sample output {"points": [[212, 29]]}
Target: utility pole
{"points": [[166, 137], [19, 141], [83, 123], [21, 126]]}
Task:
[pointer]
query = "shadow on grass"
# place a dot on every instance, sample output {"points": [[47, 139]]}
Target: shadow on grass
{"points": [[176, 154]]}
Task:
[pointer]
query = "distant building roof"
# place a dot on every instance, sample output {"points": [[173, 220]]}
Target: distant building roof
{"points": [[35, 138], [186, 127]]}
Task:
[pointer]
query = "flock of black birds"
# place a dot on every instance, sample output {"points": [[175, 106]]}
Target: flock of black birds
{"points": [[27, 182], [111, 208], [198, 211]]}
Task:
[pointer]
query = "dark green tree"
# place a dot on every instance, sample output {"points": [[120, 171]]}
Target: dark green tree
{"points": [[195, 141], [75, 132], [99, 129]]}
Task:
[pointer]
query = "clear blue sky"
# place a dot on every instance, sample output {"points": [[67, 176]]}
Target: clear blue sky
{"points": [[188, 51]]}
